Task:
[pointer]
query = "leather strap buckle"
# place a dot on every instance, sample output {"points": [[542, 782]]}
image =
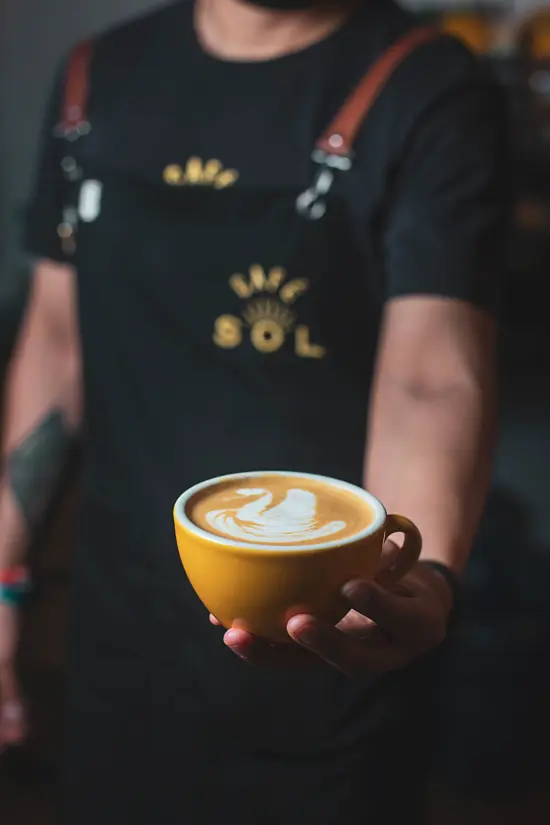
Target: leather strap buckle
{"points": [[73, 124], [312, 203], [334, 150]]}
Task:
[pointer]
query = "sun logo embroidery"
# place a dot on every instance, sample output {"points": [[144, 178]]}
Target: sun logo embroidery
{"points": [[197, 173], [269, 314]]}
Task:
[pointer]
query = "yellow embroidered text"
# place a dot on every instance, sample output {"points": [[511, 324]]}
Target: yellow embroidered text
{"points": [[268, 316], [197, 173]]}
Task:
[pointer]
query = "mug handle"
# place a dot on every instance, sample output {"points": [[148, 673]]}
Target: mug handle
{"points": [[407, 555]]}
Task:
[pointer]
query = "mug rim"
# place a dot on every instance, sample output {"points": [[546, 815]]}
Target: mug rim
{"points": [[185, 522]]}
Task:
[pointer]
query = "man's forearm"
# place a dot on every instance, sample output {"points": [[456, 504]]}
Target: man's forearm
{"points": [[42, 409], [32, 471], [429, 458]]}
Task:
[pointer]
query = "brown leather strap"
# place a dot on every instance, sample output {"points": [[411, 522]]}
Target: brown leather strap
{"points": [[74, 114], [340, 136], [338, 139]]}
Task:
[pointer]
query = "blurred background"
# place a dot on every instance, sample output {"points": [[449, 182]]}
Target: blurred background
{"points": [[491, 762]]}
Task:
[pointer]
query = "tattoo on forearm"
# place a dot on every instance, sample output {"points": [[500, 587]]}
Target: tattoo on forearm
{"points": [[35, 466]]}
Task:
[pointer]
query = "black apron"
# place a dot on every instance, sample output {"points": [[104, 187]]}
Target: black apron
{"points": [[258, 358]]}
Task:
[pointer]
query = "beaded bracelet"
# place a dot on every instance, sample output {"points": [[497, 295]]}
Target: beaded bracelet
{"points": [[14, 585]]}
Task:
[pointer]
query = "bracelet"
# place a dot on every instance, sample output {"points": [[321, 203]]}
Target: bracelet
{"points": [[453, 583], [15, 583]]}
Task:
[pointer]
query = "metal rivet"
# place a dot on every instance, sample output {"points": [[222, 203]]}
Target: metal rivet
{"points": [[68, 165], [336, 141], [65, 231]]}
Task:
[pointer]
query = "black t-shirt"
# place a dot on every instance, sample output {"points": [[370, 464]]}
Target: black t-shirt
{"points": [[201, 358], [215, 141], [430, 162]]}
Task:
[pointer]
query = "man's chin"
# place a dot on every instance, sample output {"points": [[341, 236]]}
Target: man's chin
{"points": [[285, 5]]}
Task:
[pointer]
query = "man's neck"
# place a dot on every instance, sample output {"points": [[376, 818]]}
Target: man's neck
{"points": [[236, 30]]}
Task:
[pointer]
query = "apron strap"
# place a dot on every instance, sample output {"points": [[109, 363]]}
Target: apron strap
{"points": [[334, 150], [74, 110], [340, 136], [72, 125], [337, 140]]}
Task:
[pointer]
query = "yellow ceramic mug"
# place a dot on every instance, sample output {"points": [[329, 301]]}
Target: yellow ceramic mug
{"points": [[259, 586]]}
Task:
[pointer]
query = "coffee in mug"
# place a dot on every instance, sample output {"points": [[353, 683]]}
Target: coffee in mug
{"points": [[261, 547], [280, 510]]}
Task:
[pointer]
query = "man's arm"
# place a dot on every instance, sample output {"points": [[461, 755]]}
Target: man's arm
{"points": [[433, 420], [42, 409], [41, 424]]}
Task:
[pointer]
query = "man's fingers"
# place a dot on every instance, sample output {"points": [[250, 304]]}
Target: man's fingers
{"points": [[12, 722], [12, 712], [318, 645], [394, 613], [214, 621], [352, 656], [390, 554], [260, 653]]}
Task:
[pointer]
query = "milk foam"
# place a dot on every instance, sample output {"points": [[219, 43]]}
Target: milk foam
{"points": [[292, 521]]}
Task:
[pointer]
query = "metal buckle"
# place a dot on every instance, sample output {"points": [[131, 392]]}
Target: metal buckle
{"points": [[312, 204], [341, 162]]}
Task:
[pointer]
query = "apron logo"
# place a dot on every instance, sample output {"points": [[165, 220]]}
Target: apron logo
{"points": [[197, 173], [268, 315]]}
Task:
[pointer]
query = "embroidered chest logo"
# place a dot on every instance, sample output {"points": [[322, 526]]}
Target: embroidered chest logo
{"points": [[268, 315], [197, 173]]}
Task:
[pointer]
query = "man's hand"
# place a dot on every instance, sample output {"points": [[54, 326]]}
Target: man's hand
{"points": [[12, 715], [384, 630]]}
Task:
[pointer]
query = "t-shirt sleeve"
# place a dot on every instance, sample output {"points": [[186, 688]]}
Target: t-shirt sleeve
{"points": [[448, 214], [45, 206]]}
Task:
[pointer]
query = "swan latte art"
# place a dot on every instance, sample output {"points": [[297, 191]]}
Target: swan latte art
{"points": [[279, 510]]}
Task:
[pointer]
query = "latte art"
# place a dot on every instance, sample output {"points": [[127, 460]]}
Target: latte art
{"points": [[279, 511], [292, 521]]}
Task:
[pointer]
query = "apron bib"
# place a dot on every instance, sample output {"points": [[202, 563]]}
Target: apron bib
{"points": [[257, 355]]}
